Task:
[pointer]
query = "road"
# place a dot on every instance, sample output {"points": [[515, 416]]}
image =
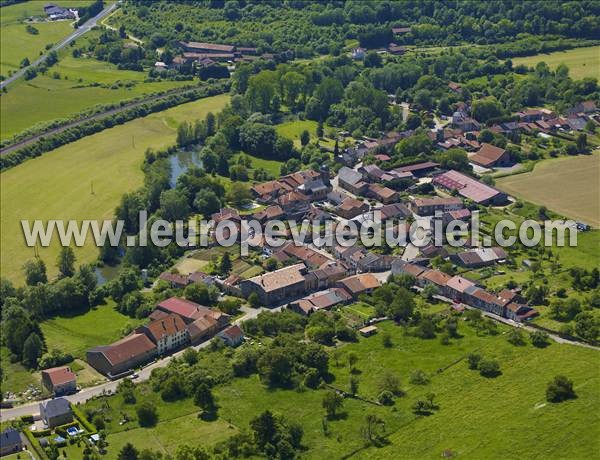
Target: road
{"points": [[86, 27], [110, 387]]}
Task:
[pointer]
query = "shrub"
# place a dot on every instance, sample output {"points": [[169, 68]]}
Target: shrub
{"points": [[560, 389], [147, 415], [418, 377], [489, 368], [473, 360]]}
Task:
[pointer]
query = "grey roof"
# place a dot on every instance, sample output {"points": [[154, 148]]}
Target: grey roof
{"points": [[56, 407], [349, 176], [10, 437]]}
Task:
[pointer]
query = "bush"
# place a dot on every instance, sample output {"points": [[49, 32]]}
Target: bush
{"points": [[560, 389], [539, 339], [489, 368], [147, 415], [418, 377], [386, 398], [473, 360]]}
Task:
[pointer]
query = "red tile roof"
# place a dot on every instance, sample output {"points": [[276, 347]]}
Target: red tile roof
{"points": [[183, 308], [127, 348], [170, 325], [59, 375]]}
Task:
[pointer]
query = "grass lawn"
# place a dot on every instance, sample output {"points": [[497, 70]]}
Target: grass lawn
{"points": [[15, 378], [75, 334], [582, 62], [577, 178], [17, 43], [57, 185], [44, 98]]}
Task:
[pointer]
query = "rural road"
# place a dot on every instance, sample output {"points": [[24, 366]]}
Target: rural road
{"points": [[109, 387], [86, 27]]}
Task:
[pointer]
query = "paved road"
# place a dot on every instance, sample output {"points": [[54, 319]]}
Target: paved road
{"points": [[76, 34], [109, 387]]}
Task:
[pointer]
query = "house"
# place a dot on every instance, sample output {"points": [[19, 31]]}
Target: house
{"points": [[294, 204], [401, 267], [455, 87], [480, 257], [384, 195], [168, 333], [10, 442], [277, 286], [358, 54], [202, 329], [395, 49], [269, 213], [464, 122], [456, 287], [125, 354], [489, 156], [188, 311], [368, 331], [355, 285], [312, 258], [393, 211], [56, 12], [457, 215], [469, 188], [429, 206], [583, 107], [323, 300], [351, 180], [59, 380], [435, 278], [400, 30], [175, 280], [351, 207], [327, 275], [56, 412], [232, 336]]}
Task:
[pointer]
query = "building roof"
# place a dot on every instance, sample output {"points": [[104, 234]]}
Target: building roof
{"points": [[127, 348], [10, 437], [59, 375], [56, 407], [174, 278], [408, 268], [349, 176], [382, 192], [466, 186], [209, 46], [233, 333], [438, 201], [201, 326], [459, 284], [487, 155], [357, 284], [184, 308], [170, 325], [281, 278], [417, 166], [352, 203], [436, 277], [390, 211], [367, 329]]}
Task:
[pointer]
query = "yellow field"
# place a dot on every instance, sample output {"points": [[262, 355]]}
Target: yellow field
{"points": [[58, 184], [582, 62], [567, 186]]}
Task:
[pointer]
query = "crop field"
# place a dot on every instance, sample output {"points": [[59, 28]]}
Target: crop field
{"points": [[466, 400], [582, 62], [58, 185], [568, 186], [16, 43], [45, 98], [76, 333]]}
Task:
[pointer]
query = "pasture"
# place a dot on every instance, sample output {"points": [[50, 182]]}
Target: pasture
{"points": [[568, 186], [514, 400], [16, 43], [582, 62], [58, 184], [83, 83]]}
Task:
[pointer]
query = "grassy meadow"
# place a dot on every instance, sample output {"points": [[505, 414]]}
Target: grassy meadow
{"points": [[17, 44], [475, 418], [582, 62], [45, 98], [567, 185], [58, 184]]}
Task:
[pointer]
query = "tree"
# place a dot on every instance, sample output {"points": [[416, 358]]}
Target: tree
{"points": [[418, 377], [320, 130], [515, 337], [486, 109], [586, 326], [173, 205], [204, 398], [372, 59], [560, 389], [254, 300], [225, 264], [207, 202], [304, 137], [66, 261], [32, 350], [489, 368], [128, 452], [147, 414], [352, 360], [581, 142], [265, 428], [353, 386], [293, 86], [211, 124], [373, 428], [190, 356], [35, 272], [332, 403], [474, 359], [239, 194], [390, 382]]}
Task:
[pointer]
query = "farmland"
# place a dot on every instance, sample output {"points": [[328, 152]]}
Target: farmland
{"points": [[465, 400], [577, 199], [17, 43], [58, 185], [582, 62], [83, 83]]}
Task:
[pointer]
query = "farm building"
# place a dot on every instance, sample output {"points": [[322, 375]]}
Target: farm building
{"points": [[469, 188], [125, 354], [277, 286]]}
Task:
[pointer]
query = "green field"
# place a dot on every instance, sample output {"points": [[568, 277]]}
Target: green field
{"points": [[17, 43], [582, 62], [75, 334], [475, 418], [16, 378], [58, 184], [567, 185], [45, 98]]}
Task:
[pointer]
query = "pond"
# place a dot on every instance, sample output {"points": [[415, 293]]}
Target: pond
{"points": [[182, 161], [106, 273]]}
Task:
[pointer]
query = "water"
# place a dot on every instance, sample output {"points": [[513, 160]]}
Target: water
{"points": [[106, 273], [182, 161]]}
